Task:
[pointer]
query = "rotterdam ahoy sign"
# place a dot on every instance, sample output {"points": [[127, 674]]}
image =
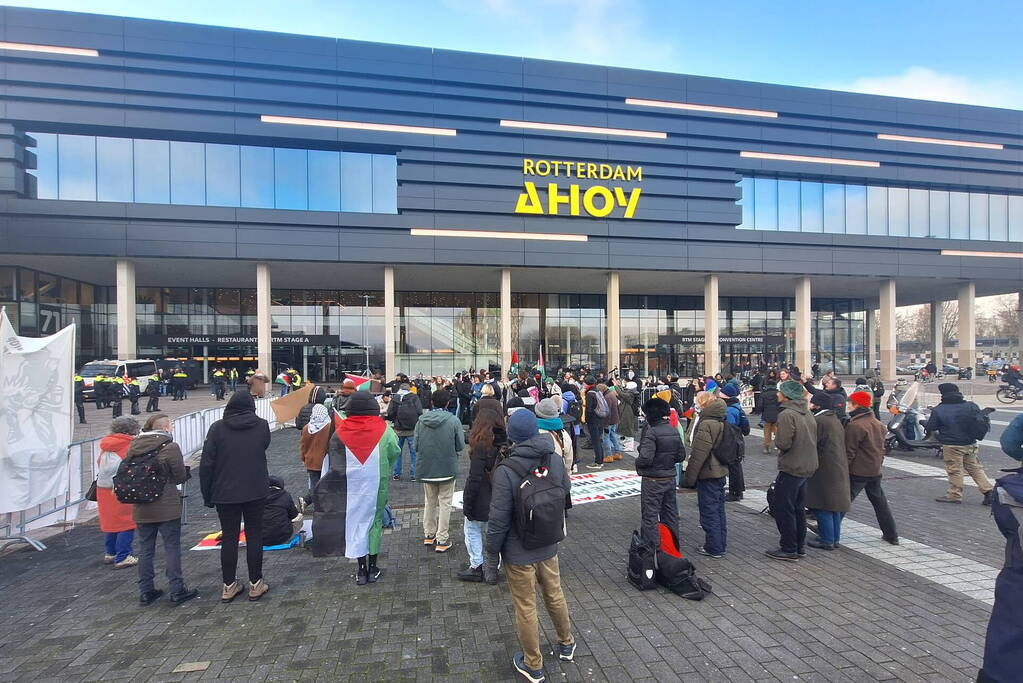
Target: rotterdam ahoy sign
{"points": [[554, 199]]}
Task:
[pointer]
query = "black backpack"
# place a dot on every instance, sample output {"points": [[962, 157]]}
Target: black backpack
{"points": [[730, 448], [978, 424], [539, 505], [140, 478], [407, 416], [642, 572]]}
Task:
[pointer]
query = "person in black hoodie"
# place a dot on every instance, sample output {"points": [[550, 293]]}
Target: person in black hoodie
{"points": [[281, 518], [234, 479], [660, 449], [951, 419], [486, 438]]}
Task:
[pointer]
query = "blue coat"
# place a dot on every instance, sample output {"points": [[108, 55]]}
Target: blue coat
{"points": [[1012, 438]]}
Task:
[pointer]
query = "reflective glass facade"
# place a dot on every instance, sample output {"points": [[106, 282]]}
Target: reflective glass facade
{"points": [[91, 168], [810, 206], [441, 333]]}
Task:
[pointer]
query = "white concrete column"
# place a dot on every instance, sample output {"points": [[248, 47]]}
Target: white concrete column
{"points": [[887, 334], [264, 339], [614, 321], [711, 345], [869, 323], [937, 333], [205, 364], [967, 325], [126, 328], [1019, 332], [506, 323], [803, 318], [390, 362]]}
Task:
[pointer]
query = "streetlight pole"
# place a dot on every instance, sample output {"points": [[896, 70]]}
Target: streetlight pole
{"points": [[365, 345]]}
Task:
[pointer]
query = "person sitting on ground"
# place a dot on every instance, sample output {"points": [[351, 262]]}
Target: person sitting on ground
{"points": [[706, 473], [660, 449], [281, 518]]}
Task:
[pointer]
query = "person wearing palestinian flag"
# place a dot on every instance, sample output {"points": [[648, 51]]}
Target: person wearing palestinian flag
{"points": [[351, 495]]}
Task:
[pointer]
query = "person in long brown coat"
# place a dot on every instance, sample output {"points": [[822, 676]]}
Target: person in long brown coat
{"points": [[258, 383], [827, 491]]}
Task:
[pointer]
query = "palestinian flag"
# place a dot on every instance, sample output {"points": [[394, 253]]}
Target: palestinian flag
{"points": [[673, 417], [361, 383], [350, 498], [540, 366]]}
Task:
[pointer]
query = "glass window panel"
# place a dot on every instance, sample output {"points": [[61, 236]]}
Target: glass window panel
{"points": [[998, 215], [257, 176], [114, 170], [834, 208], [46, 165], [788, 205], [898, 211], [856, 209], [919, 213], [8, 276], [188, 173], [811, 201], [746, 202], [385, 183], [77, 167], [152, 171], [877, 210], [356, 182], [766, 207], [291, 179], [222, 175], [978, 216], [324, 180], [1015, 218], [939, 213], [959, 215]]}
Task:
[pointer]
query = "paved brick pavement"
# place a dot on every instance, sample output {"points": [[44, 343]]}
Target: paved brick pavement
{"points": [[98, 421], [839, 616]]}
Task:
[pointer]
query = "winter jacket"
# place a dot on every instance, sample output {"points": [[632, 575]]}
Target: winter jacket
{"points": [[114, 516], [828, 488], [864, 444], [703, 435], [233, 466], [734, 414], [838, 402], [476, 406], [318, 395], [407, 426], [660, 449], [439, 440], [590, 409], [769, 402], [277, 515], [562, 441], [628, 405], [613, 413], [796, 439], [313, 447], [951, 418], [502, 537], [1012, 438], [168, 506], [482, 460], [257, 384]]}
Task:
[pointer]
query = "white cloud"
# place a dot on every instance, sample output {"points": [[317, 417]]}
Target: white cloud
{"points": [[922, 83]]}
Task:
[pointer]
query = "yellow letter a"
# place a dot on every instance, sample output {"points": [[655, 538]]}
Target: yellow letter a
{"points": [[529, 201]]}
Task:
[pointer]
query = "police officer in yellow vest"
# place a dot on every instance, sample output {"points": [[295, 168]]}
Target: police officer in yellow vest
{"points": [[134, 391], [116, 395], [99, 391], [232, 375], [219, 382], [153, 392], [80, 398], [178, 381]]}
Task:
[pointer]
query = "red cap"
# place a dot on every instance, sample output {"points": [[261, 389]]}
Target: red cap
{"points": [[861, 398]]}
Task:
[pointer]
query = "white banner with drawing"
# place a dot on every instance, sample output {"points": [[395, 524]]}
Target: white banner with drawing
{"points": [[591, 487]]}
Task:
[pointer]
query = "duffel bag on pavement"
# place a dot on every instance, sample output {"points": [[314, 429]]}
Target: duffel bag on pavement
{"points": [[675, 572], [642, 563]]}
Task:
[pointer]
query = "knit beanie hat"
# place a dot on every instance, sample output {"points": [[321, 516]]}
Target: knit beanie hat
{"points": [[522, 426], [791, 389], [822, 400], [547, 409], [362, 403], [862, 398], [730, 390], [947, 388]]}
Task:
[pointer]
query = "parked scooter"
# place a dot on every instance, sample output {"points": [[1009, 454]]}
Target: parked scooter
{"points": [[905, 431]]}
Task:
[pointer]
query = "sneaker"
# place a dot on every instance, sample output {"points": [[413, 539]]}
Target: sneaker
{"points": [[780, 554], [946, 499], [565, 652], [129, 561], [617, 456], [472, 574], [429, 540], [989, 497], [442, 547], [733, 497], [184, 596], [258, 590], [575, 469], [149, 597], [820, 545], [704, 551], [801, 552], [361, 577], [595, 466], [108, 559], [231, 591], [396, 477], [532, 675], [767, 450]]}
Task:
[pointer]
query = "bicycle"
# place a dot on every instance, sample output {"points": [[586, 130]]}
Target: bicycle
{"points": [[1008, 394]]}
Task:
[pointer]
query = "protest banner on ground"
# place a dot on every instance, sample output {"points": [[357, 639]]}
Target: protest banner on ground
{"points": [[590, 487]]}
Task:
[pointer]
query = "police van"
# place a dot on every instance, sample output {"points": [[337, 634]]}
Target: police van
{"points": [[141, 370]]}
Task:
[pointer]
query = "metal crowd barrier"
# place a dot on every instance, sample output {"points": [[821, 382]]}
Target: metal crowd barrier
{"points": [[189, 433]]}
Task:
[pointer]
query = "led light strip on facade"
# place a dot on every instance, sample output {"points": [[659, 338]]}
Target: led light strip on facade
{"points": [[593, 130], [701, 107], [357, 125], [549, 237], [985, 254], [939, 141], [812, 160], [53, 49]]}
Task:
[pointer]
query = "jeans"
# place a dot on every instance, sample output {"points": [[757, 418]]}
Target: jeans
{"points": [[829, 526], [789, 514], [231, 515], [474, 533], [402, 440], [171, 532], [595, 428], [710, 496], [875, 494], [118, 543], [611, 443], [658, 504], [522, 580], [437, 509]]}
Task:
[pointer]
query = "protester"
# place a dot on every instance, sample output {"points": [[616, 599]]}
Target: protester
{"points": [[341, 398], [439, 440], [628, 411], [115, 517], [317, 397], [734, 414], [827, 491], [550, 421], [769, 409], [486, 439], [258, 383], [281, 518], [525, 568], [312, 446], [594, 416], [660, 450], [864, 448], [953, 419], [163, 515], [797, 461], [833, 387], [403, 413], [612, 444], [706, 473], [234, 479]]}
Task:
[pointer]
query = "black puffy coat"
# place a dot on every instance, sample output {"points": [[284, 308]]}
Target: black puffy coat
{"points": [[769, 402], [660, 448], [950, 419], [277, 515], [233, 466]]}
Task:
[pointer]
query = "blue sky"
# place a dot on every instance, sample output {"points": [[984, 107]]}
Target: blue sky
{"points": [[949, 50]]}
